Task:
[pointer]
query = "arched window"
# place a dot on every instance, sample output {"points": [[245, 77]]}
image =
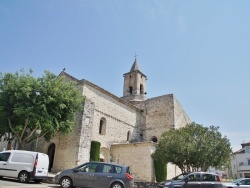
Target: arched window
{"points": [[128, 136], [130, 90], [102, 126], [141, 89], [154, 139]]}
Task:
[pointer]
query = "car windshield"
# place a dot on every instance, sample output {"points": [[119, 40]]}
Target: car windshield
{"points": [[179, 177], [236, 181]]}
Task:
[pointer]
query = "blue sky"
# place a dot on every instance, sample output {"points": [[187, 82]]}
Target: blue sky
{"points": [[197, 50]]}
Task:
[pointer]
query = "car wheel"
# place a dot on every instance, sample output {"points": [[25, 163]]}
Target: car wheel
{"points": [[23, 177], [66, 182], [116, 185]]}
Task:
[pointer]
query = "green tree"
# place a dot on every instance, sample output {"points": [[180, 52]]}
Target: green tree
{"points": [[160, 170], [48, 103], [194, 148], [95, 151]]}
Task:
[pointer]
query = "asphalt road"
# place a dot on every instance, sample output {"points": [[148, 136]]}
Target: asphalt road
{"points": [[13, 183]]}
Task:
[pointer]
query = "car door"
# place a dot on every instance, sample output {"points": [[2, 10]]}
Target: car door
{"points": [[103, 176], [84, 175], [208, 181], [192, 181], [4, 157]]}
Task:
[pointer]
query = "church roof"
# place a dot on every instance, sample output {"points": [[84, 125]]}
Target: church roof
{"points": [[134, 66]]}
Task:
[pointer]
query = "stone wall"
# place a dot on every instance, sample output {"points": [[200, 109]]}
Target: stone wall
{"points": [[159, 116], [138, 157], [3, 145], [180, 117], [66, 151], [120, 116], [172, 171], [72, 149]]}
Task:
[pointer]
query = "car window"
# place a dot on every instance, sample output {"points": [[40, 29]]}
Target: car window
{"points": [[127, 170], [118, 169], [194, 177], [217, 178], [247, 182], [4, 156], [89, 167], [106, 168], [244, 182], [208, 177]]}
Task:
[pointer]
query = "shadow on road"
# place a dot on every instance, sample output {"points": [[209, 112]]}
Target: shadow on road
{"points": [[15, 182]]}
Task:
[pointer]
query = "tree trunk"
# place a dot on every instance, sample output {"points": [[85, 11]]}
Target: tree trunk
{"points": [[20, 145], [9, 146]]}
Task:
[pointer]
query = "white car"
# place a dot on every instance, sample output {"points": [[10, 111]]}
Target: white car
{"points": [[239, 183], [24, 165]]}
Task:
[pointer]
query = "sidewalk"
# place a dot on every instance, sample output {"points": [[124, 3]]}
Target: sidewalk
{"points": [[50, 179]]}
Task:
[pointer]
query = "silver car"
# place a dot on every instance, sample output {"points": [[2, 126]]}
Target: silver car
{"points": [[195, 180], [96, 175], [242, 182]]}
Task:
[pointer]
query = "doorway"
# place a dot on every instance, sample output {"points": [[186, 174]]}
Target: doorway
{"points": [[51, 154]]}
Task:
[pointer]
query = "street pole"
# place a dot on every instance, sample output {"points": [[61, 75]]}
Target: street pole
{"points": [[37, 133]]}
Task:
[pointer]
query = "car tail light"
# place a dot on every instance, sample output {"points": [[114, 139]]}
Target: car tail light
{"points": [[129, 176], [219, 178]]}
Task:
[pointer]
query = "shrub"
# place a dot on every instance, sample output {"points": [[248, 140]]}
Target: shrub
{"points": [[95, 151]]}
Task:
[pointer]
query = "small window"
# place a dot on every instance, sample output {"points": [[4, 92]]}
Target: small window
{"points": [[102, 127], [128, 135], [247, 149], [130, 90], [141, 89], [154, 139]]}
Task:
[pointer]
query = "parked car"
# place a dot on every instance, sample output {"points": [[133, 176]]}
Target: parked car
{"points": [[96, 175], [242, 182], [195, 180], [24, 165]]}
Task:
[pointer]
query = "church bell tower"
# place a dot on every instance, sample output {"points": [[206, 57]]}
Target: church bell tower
{"points": [[134, 88]]}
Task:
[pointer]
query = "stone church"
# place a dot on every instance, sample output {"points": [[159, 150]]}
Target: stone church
{"points": [[127, 127]]}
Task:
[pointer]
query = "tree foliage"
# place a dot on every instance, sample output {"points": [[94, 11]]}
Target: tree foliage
{"points": [[194, 148], [48, 103]]}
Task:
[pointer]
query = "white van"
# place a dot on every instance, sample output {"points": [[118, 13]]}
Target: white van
{"points": [[24, 165]]}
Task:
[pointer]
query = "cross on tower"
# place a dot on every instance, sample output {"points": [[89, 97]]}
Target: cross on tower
{"points": [[135, 55]]}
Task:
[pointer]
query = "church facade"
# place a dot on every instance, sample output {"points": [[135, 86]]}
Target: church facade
{"points": [[127, 127]]}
